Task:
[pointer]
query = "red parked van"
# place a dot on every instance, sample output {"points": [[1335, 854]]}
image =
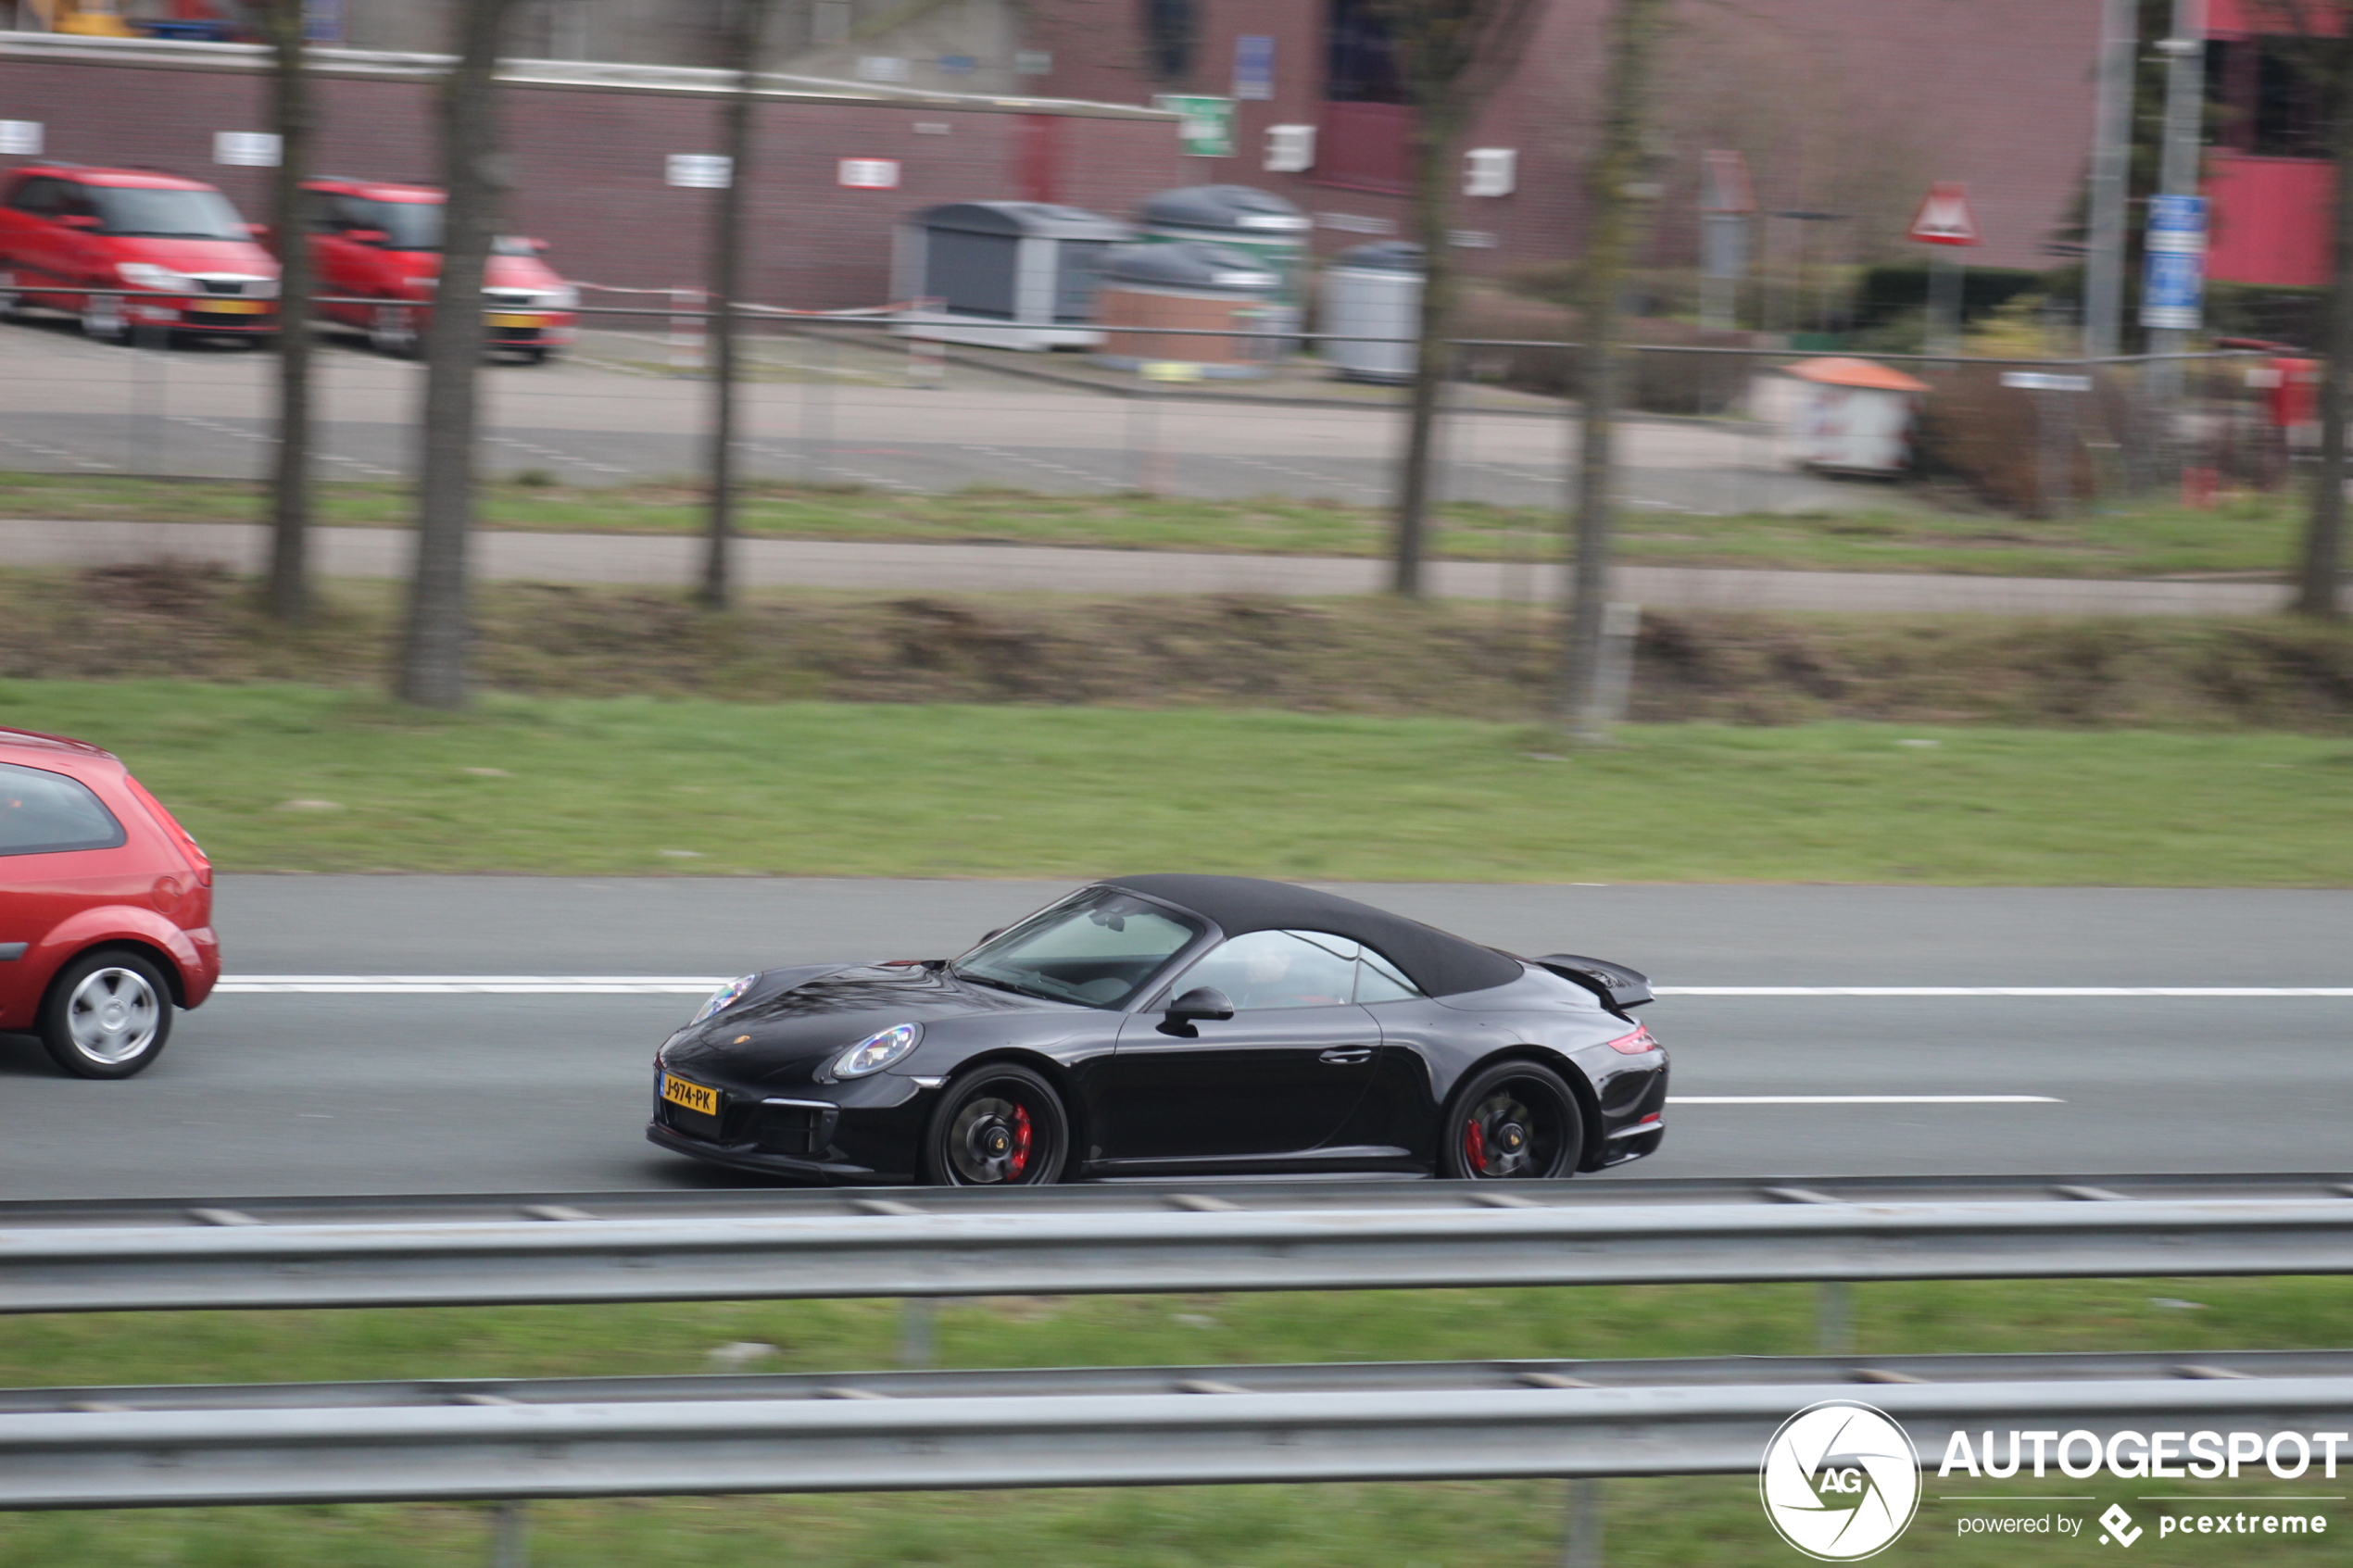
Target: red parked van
{"points": [[66, 229], [106, 908], [379, 243]]}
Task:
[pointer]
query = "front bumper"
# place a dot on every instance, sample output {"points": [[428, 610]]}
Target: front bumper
{"points": [[869, 1136]]}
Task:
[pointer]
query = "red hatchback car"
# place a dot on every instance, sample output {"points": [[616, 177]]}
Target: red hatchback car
{"points": [[66, 229], [381, 244], [106, 908]]}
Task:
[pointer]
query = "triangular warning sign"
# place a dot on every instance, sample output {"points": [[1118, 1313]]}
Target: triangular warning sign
{"points": [[1944, 218]]}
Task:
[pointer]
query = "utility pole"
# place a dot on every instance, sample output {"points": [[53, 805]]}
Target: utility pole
{"points": [[743, 38], [2111, 153], [2184, 114]]}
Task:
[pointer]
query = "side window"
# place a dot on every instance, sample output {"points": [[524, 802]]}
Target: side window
{"points": [[1278, 969], [38, 194], [45, 813], [1377, 980]]}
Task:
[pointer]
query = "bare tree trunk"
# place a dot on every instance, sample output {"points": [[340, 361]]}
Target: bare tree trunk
{"points": [[1613, 220], [433, 664], [289, 592], [2318, 573], [1434, 139], [727, 275]]}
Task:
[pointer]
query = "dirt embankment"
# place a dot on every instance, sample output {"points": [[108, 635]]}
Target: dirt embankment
{"points": [[1361, 655]]}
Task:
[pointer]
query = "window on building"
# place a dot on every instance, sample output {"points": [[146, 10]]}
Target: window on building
{"points": [[2271, 103], [1361, 61], [1171, 29]]}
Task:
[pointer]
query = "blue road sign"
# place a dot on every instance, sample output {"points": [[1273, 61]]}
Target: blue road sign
{"points": [[2173, 281]]}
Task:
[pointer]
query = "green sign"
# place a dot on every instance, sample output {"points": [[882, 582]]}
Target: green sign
{"points": [[1207, 130]]}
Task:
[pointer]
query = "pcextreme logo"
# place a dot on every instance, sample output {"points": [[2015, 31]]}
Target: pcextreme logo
{"points": [[1839, 1481]]}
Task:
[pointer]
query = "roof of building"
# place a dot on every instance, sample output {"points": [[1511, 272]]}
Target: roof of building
{"points": [[1840, 370], [1439, 964]]}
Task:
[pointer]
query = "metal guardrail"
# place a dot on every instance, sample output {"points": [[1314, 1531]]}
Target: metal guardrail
{"points": [[1187, 1425], [1185, 1241]]}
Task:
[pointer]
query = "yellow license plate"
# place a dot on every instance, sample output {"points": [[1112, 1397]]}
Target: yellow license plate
{"points": [[228, 307], [510, 320], [694, 1097]]}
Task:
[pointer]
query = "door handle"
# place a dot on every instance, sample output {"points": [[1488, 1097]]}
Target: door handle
{"points": [[1347, 1056]]}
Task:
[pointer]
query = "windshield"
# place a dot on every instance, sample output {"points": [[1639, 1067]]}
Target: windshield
{"points": [[1096, 948], [175, 215], [417, 226]]}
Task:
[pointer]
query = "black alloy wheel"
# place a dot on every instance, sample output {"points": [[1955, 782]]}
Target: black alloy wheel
{"points": [[1000, 1125], [1513, 1122]]}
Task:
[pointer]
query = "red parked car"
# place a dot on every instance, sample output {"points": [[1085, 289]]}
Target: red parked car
{"points": [[381, 244], [106, 908], [66, 229]]}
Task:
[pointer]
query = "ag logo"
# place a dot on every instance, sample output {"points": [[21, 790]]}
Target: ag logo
{"points": [[1839, 1481]]}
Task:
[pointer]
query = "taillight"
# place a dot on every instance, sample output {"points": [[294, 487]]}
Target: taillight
{"points": [[179, 835], [1637, 1044]]}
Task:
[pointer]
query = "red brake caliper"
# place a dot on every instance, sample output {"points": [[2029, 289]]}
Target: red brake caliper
{"points": [[1020, 1160], [1475, 1146]]}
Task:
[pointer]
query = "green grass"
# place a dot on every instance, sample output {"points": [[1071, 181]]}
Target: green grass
{"points": [[1701, 1522], [280, 777], [1883, 531]]}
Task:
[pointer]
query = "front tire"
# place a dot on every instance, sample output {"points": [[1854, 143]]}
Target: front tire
{"points": [[998, 1125], [392, 330], [103, 319], [1516, 1120], [108, 1014]]}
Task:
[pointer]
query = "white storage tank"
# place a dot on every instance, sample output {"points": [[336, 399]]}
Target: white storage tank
{"points": [[1374, 292], [1002, 274]]}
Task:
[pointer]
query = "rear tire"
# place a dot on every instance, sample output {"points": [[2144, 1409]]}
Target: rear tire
{"points": [[1516, 1120], [998, 1125], [108, 1014]]}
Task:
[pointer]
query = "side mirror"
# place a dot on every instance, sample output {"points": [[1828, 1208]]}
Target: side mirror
{"points": [[364, 236], [1201, 1001]]}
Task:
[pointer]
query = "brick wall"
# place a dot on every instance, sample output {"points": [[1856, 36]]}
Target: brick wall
{"points": [[588, 165], [1996, 93]]}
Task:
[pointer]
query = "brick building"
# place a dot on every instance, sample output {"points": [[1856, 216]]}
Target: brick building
{"points": [[1843, 107]]}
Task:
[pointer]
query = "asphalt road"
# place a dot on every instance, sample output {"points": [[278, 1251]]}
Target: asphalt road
{"points": [[308, 1093], [610, 413]]}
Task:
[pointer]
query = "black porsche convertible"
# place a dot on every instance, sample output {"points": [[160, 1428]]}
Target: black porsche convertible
{"points": [[1166, 1026]]}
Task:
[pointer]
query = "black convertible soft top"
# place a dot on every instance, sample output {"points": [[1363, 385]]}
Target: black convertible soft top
{"points": [[1441, 965]]}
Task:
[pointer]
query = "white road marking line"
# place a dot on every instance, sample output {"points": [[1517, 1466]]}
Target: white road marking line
{"points": [[59, 453], [468, 984], [1864, 1100], [2003, 990], [662, 983]]}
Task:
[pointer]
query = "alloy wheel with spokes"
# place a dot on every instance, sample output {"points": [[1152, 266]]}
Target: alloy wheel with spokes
{"points": [[107, 1015], [1001, 1126], [1513, 1122]]}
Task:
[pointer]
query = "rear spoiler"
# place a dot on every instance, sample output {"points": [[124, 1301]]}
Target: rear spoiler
{"points": [[1613, 983]]}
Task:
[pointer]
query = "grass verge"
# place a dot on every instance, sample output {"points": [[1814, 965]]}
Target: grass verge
{"points": [[298, 778], [1882, 530], [1702, 1522]]}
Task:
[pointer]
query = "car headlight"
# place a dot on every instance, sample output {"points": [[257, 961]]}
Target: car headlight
{"points": [[263, 288], [877, 1051], [564, 298], [146, 275], [727, 996]]}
